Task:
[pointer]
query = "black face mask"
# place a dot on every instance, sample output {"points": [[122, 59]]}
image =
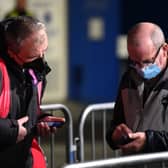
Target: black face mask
{"points": [[39, 65]]}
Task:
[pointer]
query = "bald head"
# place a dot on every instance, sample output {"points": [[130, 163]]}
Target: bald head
{"points": [[143, 40], [145, 32]]}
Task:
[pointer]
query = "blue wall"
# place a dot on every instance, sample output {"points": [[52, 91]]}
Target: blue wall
{"points": [[93, 65]]}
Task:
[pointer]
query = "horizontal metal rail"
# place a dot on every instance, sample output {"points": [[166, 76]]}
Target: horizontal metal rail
{"points": [[126, 160], [86, 112]]}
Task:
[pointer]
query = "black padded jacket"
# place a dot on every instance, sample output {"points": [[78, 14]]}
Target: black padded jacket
{"points": [[23, 101]]}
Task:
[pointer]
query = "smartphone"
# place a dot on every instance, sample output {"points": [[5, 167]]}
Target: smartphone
{"points": [[124, 140], [55, 124], [53, 121]]}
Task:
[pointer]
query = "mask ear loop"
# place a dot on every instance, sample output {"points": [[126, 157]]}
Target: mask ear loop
{"points": [[165, 45]]}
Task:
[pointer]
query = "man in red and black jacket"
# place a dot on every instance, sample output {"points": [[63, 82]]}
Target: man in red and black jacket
{"points": [[22, 81]]}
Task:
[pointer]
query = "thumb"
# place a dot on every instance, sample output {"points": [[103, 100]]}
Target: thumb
{"points": [[133, 135], [23, 120]]}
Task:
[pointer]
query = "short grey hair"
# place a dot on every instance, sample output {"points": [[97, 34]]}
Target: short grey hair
{"points": [[157, 36], [18, 29]]}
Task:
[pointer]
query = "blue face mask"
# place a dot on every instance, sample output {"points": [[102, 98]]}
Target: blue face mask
{"points": [[150, 71]]}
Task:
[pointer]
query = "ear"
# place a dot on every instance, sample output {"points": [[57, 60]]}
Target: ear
{"points": [[165, 46], [11, 53], [165, 50]]}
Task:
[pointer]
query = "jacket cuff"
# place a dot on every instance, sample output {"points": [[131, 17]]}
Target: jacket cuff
{"points": [[109, 139], [15, 129]]}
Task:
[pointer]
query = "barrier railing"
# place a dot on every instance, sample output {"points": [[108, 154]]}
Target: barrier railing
{"points": [[123, 161], [103, 107], [70, 148]]}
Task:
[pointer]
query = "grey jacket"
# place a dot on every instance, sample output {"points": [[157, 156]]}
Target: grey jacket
{"points": [[141, 115], [142, 106]]}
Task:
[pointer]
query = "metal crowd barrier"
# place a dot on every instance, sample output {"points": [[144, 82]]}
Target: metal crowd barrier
{"points": [[123, 161], [70, 148], [93, 109]]}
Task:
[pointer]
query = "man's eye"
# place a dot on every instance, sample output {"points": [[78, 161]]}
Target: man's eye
{"points": [[132, 62]]}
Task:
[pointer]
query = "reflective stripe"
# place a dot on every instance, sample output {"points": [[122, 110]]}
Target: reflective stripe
{"points": [[5, 91]]}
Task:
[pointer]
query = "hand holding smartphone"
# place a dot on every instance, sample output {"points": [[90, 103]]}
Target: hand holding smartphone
{"points": [[124, 140], [53, 121]]}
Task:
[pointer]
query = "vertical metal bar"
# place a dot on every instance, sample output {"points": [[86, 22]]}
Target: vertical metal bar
{"points": [[93, 134], [39, 140], [70, 147], [52, 150], [86, 112], [163, 164], [81, 140], [104, 135], [52, 146]]}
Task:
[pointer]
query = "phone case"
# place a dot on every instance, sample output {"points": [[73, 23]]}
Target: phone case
{"points": [[55, 122]]}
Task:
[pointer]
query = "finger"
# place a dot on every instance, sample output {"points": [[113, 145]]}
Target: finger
{"points": [[132, 135], [140, 136], [23, 120], [43, 128], [125, 129], [53, 130], [127, 147], [46, 129], [40, 128]]}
